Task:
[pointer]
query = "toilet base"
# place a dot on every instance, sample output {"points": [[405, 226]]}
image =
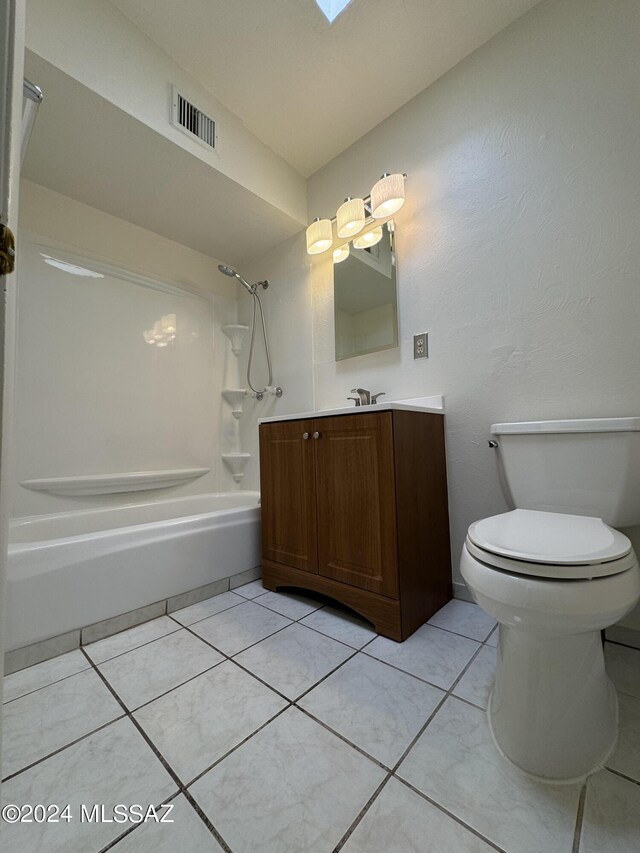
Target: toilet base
{"points": [[553, 711]]}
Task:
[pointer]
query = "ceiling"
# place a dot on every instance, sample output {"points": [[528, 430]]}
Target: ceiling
{"points": [[305, 87], [85, 147]]}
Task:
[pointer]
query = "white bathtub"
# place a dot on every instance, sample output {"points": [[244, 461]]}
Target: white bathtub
{"points": [[72, 569]]}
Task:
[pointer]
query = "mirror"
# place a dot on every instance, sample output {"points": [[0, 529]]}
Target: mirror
{"points": [[365, 299]]}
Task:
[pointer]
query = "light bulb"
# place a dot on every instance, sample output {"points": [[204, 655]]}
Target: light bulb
{"points": [[369, 238], [387, 196], [341, 254], [319, 236], [350, 217]]}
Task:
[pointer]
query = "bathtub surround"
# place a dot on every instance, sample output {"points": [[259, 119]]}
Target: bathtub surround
{"points": [[31, 655]]}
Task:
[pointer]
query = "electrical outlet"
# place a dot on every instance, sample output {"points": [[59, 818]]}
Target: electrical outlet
{"points": [[421, 345]]}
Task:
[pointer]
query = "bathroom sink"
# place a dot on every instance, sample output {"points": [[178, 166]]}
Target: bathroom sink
{"points": [[434, 404]]}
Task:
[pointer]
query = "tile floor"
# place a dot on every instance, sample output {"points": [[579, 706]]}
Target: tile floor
{"points": [[272, 723]]}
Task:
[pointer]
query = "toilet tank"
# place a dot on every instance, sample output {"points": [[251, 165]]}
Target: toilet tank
{"points": [[581, 467]]}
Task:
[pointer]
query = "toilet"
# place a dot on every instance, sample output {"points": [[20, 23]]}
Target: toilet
{"points": [[554, 573]]}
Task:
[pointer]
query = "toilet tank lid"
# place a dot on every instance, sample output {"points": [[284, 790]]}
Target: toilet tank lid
{"points": [[577, 425]]}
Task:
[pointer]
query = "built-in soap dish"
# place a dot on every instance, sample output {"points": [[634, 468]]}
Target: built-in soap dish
{"points": [[236, 336], [235, 398], [236, 463]]}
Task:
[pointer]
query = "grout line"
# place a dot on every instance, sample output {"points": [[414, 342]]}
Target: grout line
{"points": [[44, 686], [622, 775], [624, 645], [579, 816], [458, 634], [343, 738], [131, 829], [133, 648], [361, 814], [174, 776], [209, 616], [404, 671], [62, 748]]}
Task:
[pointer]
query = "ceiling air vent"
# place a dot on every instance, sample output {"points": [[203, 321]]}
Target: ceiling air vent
{"points": [[188, 118]]}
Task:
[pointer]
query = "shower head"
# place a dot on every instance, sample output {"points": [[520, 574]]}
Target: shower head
{"points": [[233, 274]]}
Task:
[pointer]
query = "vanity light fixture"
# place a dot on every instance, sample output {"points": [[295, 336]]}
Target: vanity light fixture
{"points": [[319, 236], [354, 214], [387, 196], [351, 217], [341, 253], [369, 238]]}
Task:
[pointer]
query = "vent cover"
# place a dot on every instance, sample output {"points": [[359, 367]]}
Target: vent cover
{"points": [[188, 118]]}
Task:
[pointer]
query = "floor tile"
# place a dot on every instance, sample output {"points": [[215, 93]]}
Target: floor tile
{"points": [[456, 764], [464, 618], [611, 815], [345, 627], [145, 673], [626, 758], [289, 604], [208, 607], [401, 821], [112, 766], [187, 834], [430, 653], [295, 659], [477, 682], [623, 666], [130, 639], [374, 706], [251, 590], [240, 627], [292, 788], [33, 677], [39, 723], [197, 723]]}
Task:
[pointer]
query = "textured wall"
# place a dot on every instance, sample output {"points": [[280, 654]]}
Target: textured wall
{"points": [[518, 246]]}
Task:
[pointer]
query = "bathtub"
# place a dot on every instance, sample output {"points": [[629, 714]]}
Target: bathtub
{"points": [[69, 570]]}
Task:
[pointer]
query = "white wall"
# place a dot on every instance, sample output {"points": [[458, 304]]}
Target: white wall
{"points": [[91, 41], [518, 246], [84, 370]]}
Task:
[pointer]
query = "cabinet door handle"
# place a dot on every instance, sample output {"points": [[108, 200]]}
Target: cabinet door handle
{"points": [[305, 435], [316, 435]]}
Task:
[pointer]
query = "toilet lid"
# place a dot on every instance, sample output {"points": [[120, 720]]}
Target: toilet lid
{"points": [[550, 538]]}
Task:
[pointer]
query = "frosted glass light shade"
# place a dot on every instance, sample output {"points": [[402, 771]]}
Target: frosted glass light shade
{"points": [[341, 254], [387, 196], [369, 238], [319, 236], [350, 217]]}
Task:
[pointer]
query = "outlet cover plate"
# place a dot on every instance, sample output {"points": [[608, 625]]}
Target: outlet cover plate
{"points": [[421, 345]]}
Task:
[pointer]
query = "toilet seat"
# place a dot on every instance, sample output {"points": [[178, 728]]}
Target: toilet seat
{"points": [[550, 545]]}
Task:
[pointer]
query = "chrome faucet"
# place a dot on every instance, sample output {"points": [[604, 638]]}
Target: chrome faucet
{"points": [[364, 398]]}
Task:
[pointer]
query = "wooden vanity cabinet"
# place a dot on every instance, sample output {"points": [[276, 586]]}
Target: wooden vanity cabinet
{"points": [[355, 506]]}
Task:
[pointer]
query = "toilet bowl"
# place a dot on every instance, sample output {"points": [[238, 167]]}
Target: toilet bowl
{"points": [[554, 576]]}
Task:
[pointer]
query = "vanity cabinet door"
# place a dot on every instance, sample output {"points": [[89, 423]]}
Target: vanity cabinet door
{"points": [[355, 490], [289, 531]]}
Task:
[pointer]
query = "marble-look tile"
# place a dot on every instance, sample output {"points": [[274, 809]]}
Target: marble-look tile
{"points": [[39, 723], [289, 604], [243, 578], [196, 724], [430, 653], [251, 590], [295, 659], [146, 672], [401, 821], [193, 596], [240, 627], [623, 666], [475, 685], [345, 627], [130, 639], [626, 758], [187, 834], [122, 622], [112, 766], [18, 659], [493, 638], [611, 820], [464, 618], [374, 706], [34, 677], [209, 607], [293, 787], [455, 763]]}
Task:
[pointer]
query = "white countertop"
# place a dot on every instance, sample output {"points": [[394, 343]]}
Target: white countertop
{"points": [[434, 404]]}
